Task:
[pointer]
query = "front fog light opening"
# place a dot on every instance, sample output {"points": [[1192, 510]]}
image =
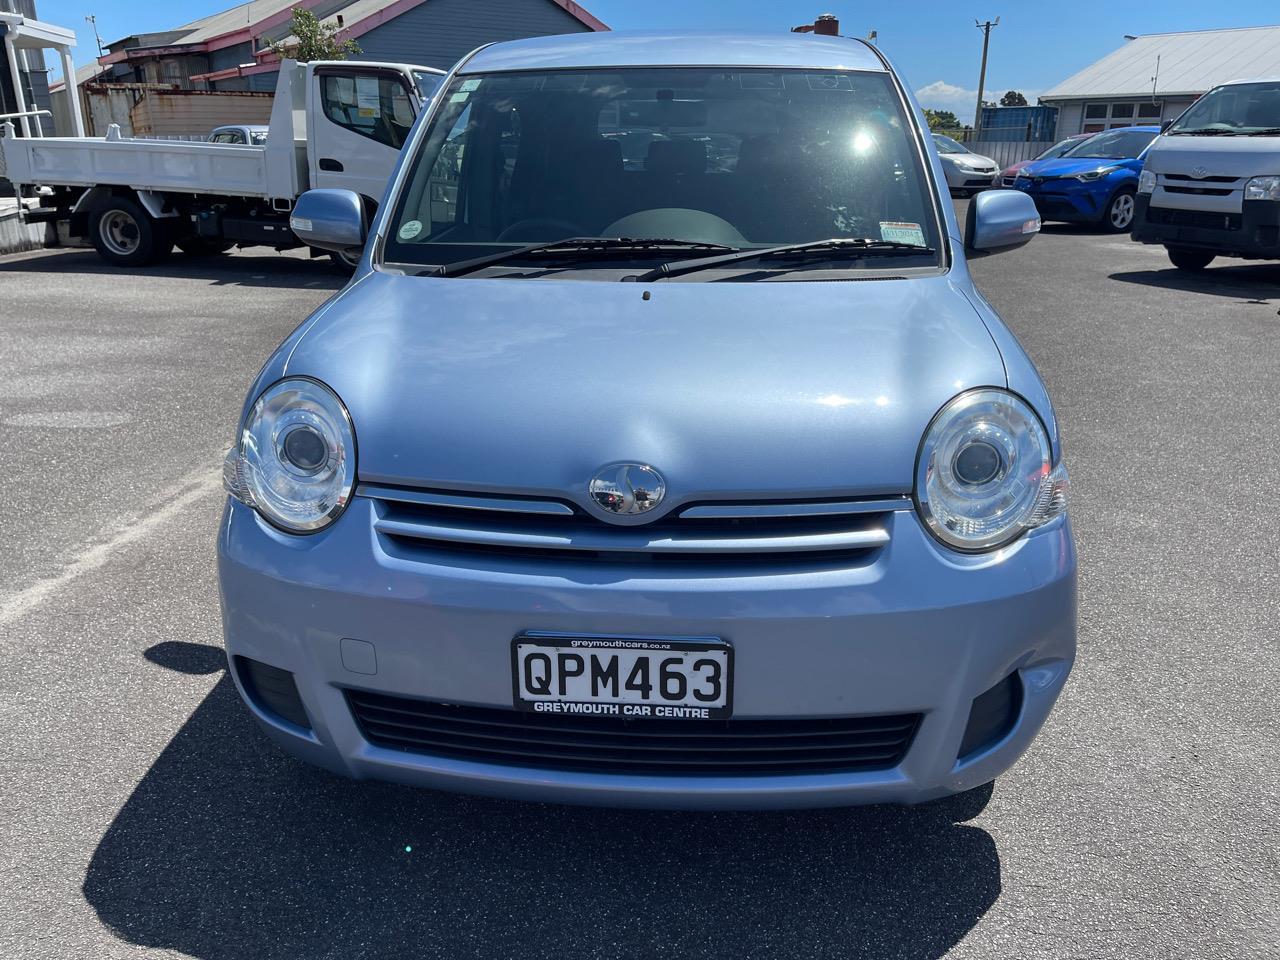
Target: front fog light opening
{"points": [[992, 717]]}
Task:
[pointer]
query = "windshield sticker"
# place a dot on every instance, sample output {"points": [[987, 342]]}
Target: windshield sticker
{"points": [[828, 81], [368, 104], [410, 229], [469, 85], [756, 80], [901, 232], [459, 97]]}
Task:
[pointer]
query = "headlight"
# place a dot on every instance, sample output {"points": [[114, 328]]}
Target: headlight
{"points": [[1262, 188], [296, 460], [985, 473], [1098, 174], [1146, 182]]}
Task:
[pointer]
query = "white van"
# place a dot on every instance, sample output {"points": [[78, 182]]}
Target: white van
{"points": [[1211, 183]]}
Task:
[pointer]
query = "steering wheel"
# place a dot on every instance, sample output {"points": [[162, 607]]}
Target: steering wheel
{"points": [[541, 228]]}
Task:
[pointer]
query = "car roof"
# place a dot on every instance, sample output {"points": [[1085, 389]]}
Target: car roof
{"points": [[670, 49]]}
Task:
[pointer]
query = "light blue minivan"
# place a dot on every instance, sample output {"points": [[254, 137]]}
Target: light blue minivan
{"points": [[661, 451]]}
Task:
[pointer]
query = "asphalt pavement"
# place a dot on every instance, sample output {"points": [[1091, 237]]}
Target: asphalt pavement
{"points": [[143, 814]]}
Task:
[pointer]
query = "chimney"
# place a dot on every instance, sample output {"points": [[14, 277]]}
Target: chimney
{"points": [[826, 25]]}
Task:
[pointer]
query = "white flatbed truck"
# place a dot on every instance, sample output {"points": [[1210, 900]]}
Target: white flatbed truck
{"points": [[333, 124]]}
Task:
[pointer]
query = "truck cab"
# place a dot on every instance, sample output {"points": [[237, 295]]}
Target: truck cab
{"points": [[1211, 184]]}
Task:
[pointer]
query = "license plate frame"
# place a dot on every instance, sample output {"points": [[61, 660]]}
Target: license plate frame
{"points": [[650, 647]]}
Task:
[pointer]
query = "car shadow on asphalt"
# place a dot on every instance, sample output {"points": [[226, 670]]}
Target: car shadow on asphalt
{"points": [[230, 849], [240, 270], [1253, 283]]}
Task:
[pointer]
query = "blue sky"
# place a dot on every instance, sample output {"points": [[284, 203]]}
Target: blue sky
{"points": [[934, 44]]}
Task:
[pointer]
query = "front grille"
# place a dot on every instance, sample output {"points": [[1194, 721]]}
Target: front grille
{"points": [[768, 747], [1200, 191], [1204, 219], [1183, 176], [424, 524]]}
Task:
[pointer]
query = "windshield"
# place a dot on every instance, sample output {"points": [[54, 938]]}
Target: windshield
{"points": [[1114, 145], [947, 145], [1239, 109], [736, 158], [426, 83], [1058, 149]]}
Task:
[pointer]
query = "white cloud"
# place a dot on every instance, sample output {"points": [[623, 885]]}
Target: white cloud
{"points": [[941, 95]]}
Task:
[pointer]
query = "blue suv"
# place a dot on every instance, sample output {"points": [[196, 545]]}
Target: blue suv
{"points": [[1094, 182]]}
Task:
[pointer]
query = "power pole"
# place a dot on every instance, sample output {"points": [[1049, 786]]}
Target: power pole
{"points": [[93, 22], [982, 75]]}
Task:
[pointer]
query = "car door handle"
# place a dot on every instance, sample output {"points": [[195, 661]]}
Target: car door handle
{"points": [[328, 163]]}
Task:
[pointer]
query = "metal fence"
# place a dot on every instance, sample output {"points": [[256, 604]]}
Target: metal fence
{"points": [[1006, 152], [181, 137]]}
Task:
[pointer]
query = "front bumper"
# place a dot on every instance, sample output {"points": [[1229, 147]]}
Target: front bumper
{"points": [[1253, 233], [914, 629], [1067, 199]]}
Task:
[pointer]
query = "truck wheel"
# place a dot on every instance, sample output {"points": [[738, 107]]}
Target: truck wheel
{"points": [[202, 246], [1119, 215], [1185, 258], [345, 262], [124, 234]]}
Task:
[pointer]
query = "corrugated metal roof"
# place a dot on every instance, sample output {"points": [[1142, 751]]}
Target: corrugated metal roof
{"points": [[1191, 62]]}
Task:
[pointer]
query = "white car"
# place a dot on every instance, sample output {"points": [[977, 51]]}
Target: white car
{"points": [[967, 172]]}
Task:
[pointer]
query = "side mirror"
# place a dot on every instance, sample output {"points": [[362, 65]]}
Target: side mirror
{"points": [[1166, 125], [329, 219], [1000, 220]]}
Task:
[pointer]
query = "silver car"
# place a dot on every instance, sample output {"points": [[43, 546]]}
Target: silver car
{"points": [[604, 480], [967, 172]]}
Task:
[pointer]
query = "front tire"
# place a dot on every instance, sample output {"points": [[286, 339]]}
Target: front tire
{"points": [[124, 234], [1118, 217], [1185, 258], [345, 262]]}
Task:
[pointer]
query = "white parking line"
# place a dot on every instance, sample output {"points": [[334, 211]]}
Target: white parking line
{"points": [[169, 504]]}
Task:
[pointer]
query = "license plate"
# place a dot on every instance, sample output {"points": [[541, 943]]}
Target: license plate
{"points": [[623, 677]]}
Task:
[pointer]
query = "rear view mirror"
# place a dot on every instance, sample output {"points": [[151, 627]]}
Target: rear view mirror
{"points": [[1000, 220], [329, 219]]}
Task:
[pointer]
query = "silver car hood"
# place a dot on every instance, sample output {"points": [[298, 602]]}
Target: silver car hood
{"points": [[803, 389], [1219, 156]]}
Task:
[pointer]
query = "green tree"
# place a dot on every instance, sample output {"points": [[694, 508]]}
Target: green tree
{"points": [[313, 40], [1013, 98], [941, 119]]}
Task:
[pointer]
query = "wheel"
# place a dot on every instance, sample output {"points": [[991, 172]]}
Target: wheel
{"points": [[202, 246], [1119, 215], [124, 234], [345, 262], [1185, 258]]}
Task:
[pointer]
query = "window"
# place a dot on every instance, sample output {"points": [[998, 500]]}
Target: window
{"points": [[374, 105], [739, 157], [227, 136], [1236, 109], [1095, 111], [1122, 110], [1150, 110], [1094, 127]]}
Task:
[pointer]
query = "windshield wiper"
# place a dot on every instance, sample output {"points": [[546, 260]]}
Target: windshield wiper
{"points": [[836, 247], [1265, 132], [576, 247], [1205, 132]]}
